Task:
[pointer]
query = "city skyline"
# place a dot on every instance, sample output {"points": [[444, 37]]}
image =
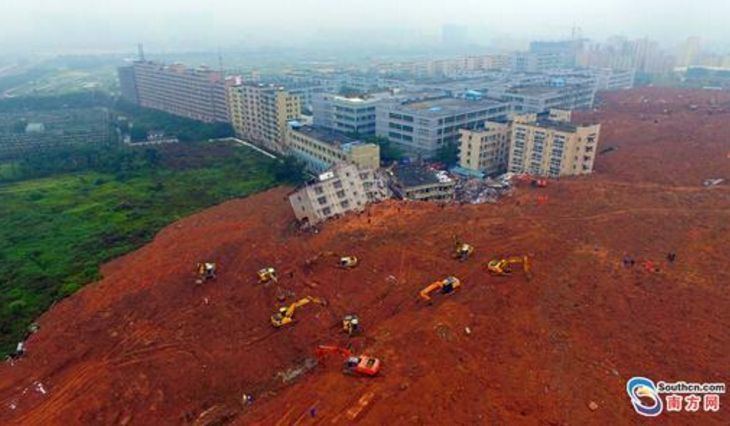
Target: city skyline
{"points": [[85, 25]]}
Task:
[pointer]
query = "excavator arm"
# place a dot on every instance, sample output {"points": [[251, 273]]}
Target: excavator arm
{"points": [[426, 292]]}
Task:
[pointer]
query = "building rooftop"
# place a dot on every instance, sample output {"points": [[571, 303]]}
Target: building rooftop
{"points": [[413, 175], [326, 135], [446, 106]]}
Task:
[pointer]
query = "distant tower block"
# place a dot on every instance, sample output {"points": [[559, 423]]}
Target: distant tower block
{"points": [[140, 51]]}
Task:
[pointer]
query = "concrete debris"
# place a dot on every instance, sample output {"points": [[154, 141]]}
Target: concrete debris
{"points": [[593, 406], [480, 191]]}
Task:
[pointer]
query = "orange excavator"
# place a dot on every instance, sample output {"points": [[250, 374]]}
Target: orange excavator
{"points": [[361, 365], [447, 286], [502, 267]]}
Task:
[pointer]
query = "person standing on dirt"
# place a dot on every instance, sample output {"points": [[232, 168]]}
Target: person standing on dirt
{"points": [[671, 256]]}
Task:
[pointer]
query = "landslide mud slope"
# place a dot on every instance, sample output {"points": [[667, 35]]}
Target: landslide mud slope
{"points": [[146, 344]]}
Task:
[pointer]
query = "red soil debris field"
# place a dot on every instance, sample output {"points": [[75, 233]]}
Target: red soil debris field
{"points": [[145, 343]]}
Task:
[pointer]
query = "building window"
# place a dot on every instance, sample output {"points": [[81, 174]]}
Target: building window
{"points": [[337, 184], [326, 211], [322, 200], [318, 190], [341, 194], [345, 204]]}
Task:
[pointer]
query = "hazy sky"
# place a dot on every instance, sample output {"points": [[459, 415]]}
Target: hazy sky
{"points": [[175, 24]]}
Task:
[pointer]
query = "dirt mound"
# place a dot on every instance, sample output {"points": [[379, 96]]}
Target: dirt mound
{"points": [[146, 343]]}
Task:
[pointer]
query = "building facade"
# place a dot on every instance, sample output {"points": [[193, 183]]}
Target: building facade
{"points": [[614, 79], [487, 149], [552, 146], [127, 84], [420, 128], [345, 114], [260, 113], [198, 94], [344, 188], [321, 149]]}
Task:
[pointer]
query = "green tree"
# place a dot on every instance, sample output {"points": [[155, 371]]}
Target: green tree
{"points": [[289, 169], [388, 151], [448, 154]]}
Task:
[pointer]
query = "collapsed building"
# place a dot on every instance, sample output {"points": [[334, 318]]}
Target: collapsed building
{"points": [[342, 189], [418, 183]]}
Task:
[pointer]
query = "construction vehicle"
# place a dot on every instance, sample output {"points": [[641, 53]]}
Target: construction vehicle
{"points": [[267, 274], [361, 365], [502, 267], [351, 325], [447, 286], [539, 183], [348, 262], [206, 271], [462, 251], [345, 262], [285, 314]]}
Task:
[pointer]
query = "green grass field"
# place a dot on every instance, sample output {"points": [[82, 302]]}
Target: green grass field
{"points": [[56, 231]]}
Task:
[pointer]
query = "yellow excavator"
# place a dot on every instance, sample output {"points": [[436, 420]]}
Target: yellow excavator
{"points": [[502, 267], [267, 274], [447, 286], [462, 251], [285, 314]]}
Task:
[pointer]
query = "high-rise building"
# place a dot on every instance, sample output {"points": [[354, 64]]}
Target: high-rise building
{"points": [[552, 146], [260, 113], [128, 84], [689, 52], [198, 94], [348, 114], [485, 149]]}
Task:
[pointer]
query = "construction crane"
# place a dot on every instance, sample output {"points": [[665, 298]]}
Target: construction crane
{"points": [[503, 267], [285, 314], [206, 271], [462, 251], [360, 365], [267, 274], [351, 325], [447, 286]]}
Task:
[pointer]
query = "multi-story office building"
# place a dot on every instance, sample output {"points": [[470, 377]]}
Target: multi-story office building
{"points": [[127, 84], [552, 146], [558, 92], [321, 149], [260, 113], [420, 128], [348, 114], [344, 188], [565, 51], [535, 62], [413, 182], [613, 79], [486, 149], [198, 94]]}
